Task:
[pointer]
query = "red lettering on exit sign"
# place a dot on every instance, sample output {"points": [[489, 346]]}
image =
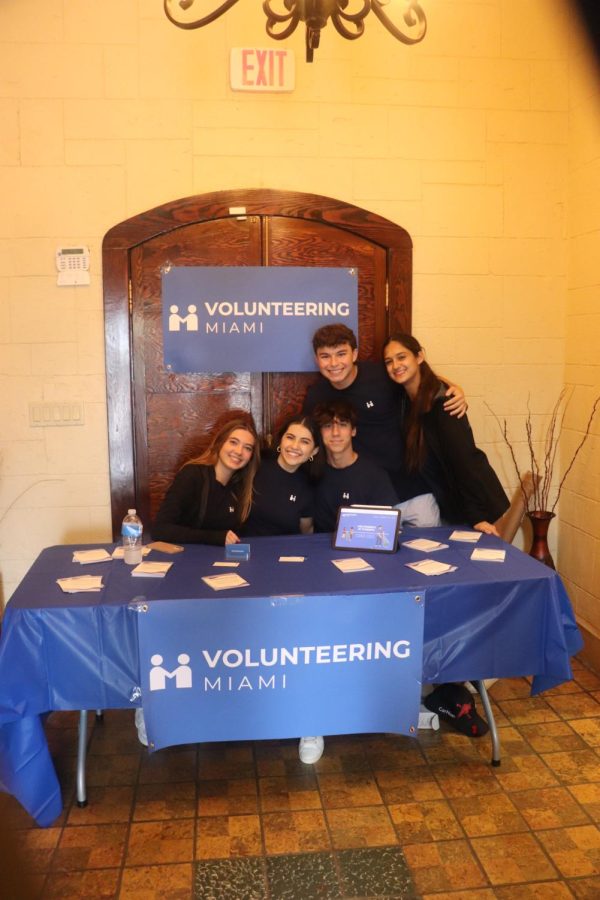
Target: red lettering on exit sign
{"points": [[258, 69]]}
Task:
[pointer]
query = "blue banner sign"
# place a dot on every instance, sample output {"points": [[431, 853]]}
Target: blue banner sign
{"points": [[251, 318], [280, 667]]}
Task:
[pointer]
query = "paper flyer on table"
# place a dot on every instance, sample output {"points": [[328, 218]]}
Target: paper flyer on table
{"points": [[151, 569], [224, 582], [354, 564], [85, 557], [431, 567], [80, 583], [482, 554], [469, 537], [165, 547], [425, 545]]}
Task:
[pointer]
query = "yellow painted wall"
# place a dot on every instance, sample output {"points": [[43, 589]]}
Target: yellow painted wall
{"points": [[469, 140], [580, 502]]}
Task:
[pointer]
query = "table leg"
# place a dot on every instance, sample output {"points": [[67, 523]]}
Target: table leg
{"points": [[487, 708], [81, 751]]}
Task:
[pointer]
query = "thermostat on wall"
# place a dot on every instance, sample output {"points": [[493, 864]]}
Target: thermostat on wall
{"points": [[73, 264]]}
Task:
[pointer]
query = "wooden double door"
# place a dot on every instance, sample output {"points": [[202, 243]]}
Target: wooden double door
{"points": [[158, 419]]}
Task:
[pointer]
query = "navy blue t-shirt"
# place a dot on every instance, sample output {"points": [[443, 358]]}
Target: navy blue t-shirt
{"points": [[363, 482], [280, 499], [377, 402]]}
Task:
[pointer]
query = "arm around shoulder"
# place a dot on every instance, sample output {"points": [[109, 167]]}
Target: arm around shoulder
{"points": [[455, 402]]}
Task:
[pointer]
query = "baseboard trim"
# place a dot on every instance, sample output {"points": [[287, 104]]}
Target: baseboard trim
{"points": [[590, 654]]}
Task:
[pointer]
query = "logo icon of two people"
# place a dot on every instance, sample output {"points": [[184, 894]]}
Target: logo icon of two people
{"points": [[158, 674], [189, 322]]}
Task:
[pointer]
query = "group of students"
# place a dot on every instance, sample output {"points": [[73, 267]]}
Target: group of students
{"points": [[363, 436], [394, 434]]}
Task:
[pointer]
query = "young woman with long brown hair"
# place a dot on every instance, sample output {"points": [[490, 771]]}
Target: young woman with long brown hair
{"points": [[211, 495], [440, 447]]}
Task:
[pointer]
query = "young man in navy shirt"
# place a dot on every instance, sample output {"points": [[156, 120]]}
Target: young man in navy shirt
{"points": [[349, 477]]}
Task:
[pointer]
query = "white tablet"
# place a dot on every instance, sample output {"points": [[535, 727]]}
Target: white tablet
{"points": [[371, 528]]}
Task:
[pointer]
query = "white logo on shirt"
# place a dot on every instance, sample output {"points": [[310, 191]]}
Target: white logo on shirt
{"points": [[293, 498], [369, 404], [345, 496], [232, 509]]}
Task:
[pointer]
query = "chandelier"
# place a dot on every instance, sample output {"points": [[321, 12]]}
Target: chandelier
{"points": [[283, 17]]}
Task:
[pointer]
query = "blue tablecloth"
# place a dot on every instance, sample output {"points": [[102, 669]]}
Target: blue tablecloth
{"points": [[80, 651]]}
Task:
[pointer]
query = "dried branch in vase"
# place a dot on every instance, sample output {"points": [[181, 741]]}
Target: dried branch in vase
{"points": [[536, 484]]}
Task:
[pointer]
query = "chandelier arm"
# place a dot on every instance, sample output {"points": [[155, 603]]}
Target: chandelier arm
{"points": [[198, 23], [290, 5], [345, 31], [414, 17], [339, 19], [274, 19]]}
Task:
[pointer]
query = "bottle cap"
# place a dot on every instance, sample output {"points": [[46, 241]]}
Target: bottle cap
{"points": [[131, 512]]}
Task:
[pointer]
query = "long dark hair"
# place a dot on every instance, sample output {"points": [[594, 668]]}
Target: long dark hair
{"points": [[429, 386], [244, 479]]}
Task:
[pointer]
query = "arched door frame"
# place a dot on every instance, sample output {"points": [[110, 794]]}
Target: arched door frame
{"points": [[116, 261]]}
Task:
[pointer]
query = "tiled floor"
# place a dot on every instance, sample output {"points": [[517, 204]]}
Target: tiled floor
{"points": [[378, 816]]}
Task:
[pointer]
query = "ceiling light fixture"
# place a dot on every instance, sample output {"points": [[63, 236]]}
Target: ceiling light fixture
{"points": [[283, 17]]}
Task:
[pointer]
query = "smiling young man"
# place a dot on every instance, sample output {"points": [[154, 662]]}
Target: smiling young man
{"points": [[373, 395], [349, 477]]}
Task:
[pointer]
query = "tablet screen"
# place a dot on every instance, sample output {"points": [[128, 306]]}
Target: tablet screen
{"points": [[367, 528]]}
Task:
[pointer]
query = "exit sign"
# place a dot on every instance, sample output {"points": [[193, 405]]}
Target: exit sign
{"points": [[258, 69]]}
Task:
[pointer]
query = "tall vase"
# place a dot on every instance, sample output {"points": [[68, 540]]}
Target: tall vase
{"points": [[540, 522]]}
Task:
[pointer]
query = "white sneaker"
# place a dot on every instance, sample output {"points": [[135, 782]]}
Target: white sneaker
{"points": [[140, 724], [310, 749], [428, 719]]}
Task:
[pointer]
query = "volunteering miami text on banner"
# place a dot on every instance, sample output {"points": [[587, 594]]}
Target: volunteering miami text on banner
{"points": [[251, 318], [279, 667]]}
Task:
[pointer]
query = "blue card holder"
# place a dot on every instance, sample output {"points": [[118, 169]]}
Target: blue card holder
{"points": [[238, 552]]}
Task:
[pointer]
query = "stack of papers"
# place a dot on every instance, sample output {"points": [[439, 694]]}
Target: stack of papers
{"points": [[354, 564], [488, 555], [165, 547], [469, 537], [431, 567], [80, 583], [119, 552], [425, 545], [224, 582], [91, 556], [151, 569]]}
